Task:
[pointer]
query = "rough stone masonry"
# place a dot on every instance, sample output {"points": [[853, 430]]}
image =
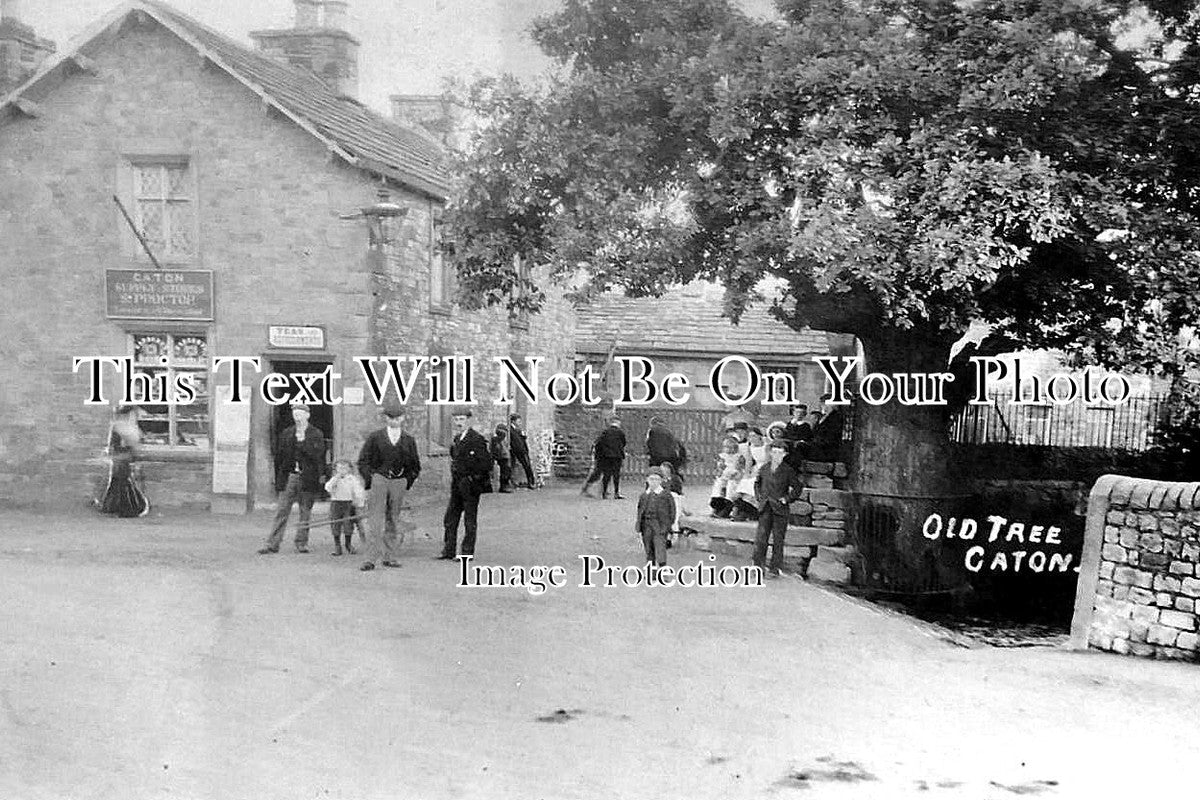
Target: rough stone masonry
{"points": [[1139, 584]]}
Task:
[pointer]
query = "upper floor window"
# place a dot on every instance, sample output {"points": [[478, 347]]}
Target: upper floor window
{"points": [[440, 274], [164, 208]]}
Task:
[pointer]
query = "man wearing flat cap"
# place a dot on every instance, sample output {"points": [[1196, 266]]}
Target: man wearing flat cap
{"points": [[470, 476], [299, 461], [389, 464]]}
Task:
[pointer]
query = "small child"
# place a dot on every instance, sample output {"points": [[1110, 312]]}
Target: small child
{"points": [[346, 499], [730, 463], [655, 516], [746, 504]]}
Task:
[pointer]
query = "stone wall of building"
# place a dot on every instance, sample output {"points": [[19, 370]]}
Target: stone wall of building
{"points": [[267, 200], [1138, 583]]}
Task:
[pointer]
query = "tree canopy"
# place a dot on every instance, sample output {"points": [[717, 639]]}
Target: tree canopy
{"points": [[903, 167]]}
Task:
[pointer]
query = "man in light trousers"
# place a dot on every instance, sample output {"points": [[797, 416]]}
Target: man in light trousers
{"points": [[389, 464]]}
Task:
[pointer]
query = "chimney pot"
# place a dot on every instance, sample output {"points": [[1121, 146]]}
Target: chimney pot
{"points": [[336, 14], [306, 13], [10, 9]]}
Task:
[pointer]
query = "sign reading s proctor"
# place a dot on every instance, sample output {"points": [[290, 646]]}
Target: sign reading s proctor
{"points": [[309, 337], [159, 294]]}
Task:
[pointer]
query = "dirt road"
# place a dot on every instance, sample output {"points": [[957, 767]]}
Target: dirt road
{"points": [[162, 658]]}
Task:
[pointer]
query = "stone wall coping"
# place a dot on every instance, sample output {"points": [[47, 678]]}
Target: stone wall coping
{"points": [[1143, 493], [1118, 490]]}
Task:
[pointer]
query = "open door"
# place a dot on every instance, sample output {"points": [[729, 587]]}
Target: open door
{"points": [[320, 416]]}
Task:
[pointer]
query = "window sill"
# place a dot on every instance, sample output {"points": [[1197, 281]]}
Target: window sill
{"points": [[174, 454], [167, 262]]}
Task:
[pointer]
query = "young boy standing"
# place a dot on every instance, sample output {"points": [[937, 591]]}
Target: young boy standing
{"points": [[655, 516], [346, 497]]}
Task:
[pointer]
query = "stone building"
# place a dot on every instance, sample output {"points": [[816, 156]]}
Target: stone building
{"points": [[239, 168], [684, 332], [21, 50]]}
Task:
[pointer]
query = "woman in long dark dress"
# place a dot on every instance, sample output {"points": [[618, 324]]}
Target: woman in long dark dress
{"points": [[123, 497]]}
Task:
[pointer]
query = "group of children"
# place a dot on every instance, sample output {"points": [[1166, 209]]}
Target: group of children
{"points": [[744, 453], [736, 493]]}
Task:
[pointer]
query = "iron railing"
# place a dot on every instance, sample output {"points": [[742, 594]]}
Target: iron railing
{"points": [[892, 555], [1130, 426]]}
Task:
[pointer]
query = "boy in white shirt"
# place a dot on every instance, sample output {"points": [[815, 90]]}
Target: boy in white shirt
{"points": [[346, 499]]}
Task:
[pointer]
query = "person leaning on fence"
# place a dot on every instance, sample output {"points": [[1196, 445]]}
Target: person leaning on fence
{"points": [[389, 465], [778, 484], [346, 497]]}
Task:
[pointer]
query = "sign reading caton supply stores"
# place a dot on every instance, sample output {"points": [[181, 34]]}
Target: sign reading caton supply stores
{"points": [[159, 294]]}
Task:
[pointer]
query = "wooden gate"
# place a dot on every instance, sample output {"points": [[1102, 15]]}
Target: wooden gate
{"points": [[700, 431]]}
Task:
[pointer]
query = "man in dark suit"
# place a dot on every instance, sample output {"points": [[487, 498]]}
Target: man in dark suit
{"points": [[518, 445], [389, 464], [798, 433], [470, 476], [662, 446], [299, 461], [777, 485], [609, 451], [827, 438]]}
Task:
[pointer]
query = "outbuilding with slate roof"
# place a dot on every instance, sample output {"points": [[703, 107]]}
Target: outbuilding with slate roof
{"points": [[685, 331]]}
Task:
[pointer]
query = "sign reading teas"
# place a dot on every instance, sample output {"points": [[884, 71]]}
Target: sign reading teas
{"points": [[300, 336], [159, 294]]}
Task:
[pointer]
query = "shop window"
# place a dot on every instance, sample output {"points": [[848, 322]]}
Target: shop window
{"points": [[163, 358], [164, 208]]}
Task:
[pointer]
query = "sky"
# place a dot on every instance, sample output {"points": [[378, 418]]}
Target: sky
{"points": [[408, 46]]}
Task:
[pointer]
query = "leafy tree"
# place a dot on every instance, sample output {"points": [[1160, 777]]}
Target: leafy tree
{"points": [[903, 167]]}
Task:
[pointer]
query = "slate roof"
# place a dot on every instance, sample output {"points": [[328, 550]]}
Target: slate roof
{"points": [[358, 135], [688, 320]]}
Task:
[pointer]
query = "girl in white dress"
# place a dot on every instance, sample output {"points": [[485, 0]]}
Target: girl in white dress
{"points": [[746, 505], [730, 464]]}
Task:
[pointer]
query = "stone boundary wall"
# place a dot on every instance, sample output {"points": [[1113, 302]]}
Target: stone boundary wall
{"points": [[1139, 585]]}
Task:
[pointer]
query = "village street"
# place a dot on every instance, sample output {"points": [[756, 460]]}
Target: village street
{"points": [[162, 658]]}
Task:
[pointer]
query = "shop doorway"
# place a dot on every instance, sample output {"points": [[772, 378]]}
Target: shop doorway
{"points": [[321, 414]]}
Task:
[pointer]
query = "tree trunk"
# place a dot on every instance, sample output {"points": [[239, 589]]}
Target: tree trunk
{"points": [[903, 449], [902, 470]]}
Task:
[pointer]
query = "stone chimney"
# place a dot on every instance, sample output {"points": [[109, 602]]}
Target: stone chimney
{"points": [[326, 49], [307, 12], [336, 14], [21, 50]]}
